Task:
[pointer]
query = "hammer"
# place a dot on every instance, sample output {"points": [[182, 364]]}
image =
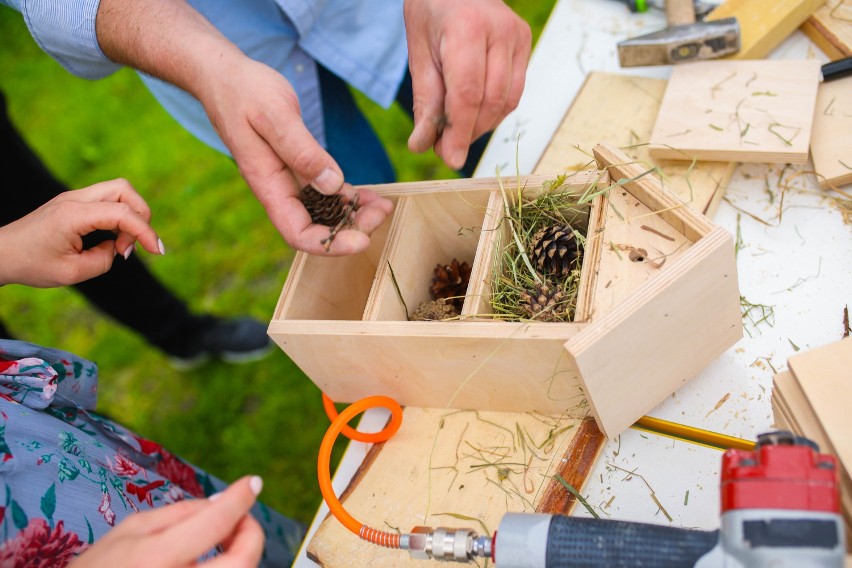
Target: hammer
{"points": [[684, 40]]}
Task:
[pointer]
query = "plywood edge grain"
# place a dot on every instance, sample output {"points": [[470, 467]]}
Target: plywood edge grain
{"points": [[705, 154], [830, 29], [448, 329], [591, 260], [583, 452]]}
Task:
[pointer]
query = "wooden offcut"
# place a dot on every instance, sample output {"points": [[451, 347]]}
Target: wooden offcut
{"points": [[622, 109], [831, 142], [458, 469], [831, 28], [746, 111], [824, 377], [764, 24], [812, 400]]}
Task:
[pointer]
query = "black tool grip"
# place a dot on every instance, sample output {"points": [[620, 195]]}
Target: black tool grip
{"points": [[837, 69], [601, 543]]}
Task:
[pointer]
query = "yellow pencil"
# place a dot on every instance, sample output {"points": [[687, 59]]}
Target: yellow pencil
{"points": [[691, 434]]}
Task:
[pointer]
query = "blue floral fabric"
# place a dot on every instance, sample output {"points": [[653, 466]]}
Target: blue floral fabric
{"points": [[67, 475]]}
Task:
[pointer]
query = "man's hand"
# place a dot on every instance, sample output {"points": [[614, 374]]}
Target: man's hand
{"points": [[45, 248], [177, 535], [277, 156], [468, 61], [253, 108]]}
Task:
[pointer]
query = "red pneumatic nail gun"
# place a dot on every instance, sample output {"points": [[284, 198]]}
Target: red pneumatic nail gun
{"points": [[780, 507]]}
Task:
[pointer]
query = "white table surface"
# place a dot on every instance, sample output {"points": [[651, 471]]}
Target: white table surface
{"points": [[801, 266]]}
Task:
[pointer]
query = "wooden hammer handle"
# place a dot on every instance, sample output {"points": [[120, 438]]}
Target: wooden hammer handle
{"points": [[680, 12]]}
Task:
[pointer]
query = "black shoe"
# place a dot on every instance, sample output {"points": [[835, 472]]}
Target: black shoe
{"points": [[237, 340]]}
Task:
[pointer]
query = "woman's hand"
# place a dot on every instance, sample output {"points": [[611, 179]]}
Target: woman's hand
{"points": [[177, 535], [45, 248]]}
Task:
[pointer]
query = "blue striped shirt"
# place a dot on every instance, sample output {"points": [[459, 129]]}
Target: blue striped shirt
{"points": [[361, 41]]}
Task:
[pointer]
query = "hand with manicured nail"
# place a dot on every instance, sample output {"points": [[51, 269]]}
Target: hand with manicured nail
{"points": [[178, 535], [45, 248], [468, 61]]}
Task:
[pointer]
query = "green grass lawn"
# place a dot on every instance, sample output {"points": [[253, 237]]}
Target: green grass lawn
{"points": [[223, 256]]}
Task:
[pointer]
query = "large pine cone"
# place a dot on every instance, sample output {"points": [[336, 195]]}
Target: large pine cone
{"points": [[436, 310], [554, 250], [544, 303], [450, 282], [328, 210]]}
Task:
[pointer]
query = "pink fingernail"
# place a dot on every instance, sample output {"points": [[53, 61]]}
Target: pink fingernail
{"points": [[255, 484], [128, 251], [329, 181], [161, 247]]}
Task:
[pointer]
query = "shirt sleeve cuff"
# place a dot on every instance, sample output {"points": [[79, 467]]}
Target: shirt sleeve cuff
{"points": [[66, 31]]}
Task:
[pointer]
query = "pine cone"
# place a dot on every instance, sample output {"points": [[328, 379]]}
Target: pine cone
{"points": [[543, 303], [554, 250], [328, 210], [435, 310], [450, 282]]}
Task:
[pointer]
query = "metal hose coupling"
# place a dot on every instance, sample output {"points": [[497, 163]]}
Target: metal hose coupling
{"points": [[447, 544]]}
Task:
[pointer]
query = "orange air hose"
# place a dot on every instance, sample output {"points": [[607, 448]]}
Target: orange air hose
{"points": [[339, 424]]}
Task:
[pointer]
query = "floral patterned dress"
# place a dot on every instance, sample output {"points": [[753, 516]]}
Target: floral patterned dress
{"points": [[68, 475]]}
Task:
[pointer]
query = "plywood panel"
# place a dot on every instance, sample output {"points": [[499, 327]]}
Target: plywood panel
{"points": [[621, 110], [502, 366], [824, 376], [698, 291], [793, 412], [441, 463], [831, 143], [747, 111], [764, 24]]}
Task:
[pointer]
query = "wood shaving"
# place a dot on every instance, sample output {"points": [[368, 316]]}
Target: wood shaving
{"points": [[719, 404]]}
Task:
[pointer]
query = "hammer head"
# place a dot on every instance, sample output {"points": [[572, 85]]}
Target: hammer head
{"points": [[678, 44]]}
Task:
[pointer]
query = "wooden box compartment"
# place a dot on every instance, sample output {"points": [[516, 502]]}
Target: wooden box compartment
{"points": [[657, 301], [333, 288], [426, 230]]}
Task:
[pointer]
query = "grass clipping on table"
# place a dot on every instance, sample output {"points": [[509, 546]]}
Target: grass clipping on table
{"points": [[526, 212]]}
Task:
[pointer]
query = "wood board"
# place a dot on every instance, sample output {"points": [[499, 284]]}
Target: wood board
{"points": [[622, 109], [793, 412], [831, 142], [443, 465], [831, 28], [824, 377], [764, 24], [747, 111], [812, 400]]}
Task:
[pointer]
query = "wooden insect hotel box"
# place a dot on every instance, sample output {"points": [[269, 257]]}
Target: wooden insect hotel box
{"points": [[657, 300]]}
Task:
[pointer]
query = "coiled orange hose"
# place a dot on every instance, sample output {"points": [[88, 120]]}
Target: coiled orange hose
{"points": [[339, 424]]}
